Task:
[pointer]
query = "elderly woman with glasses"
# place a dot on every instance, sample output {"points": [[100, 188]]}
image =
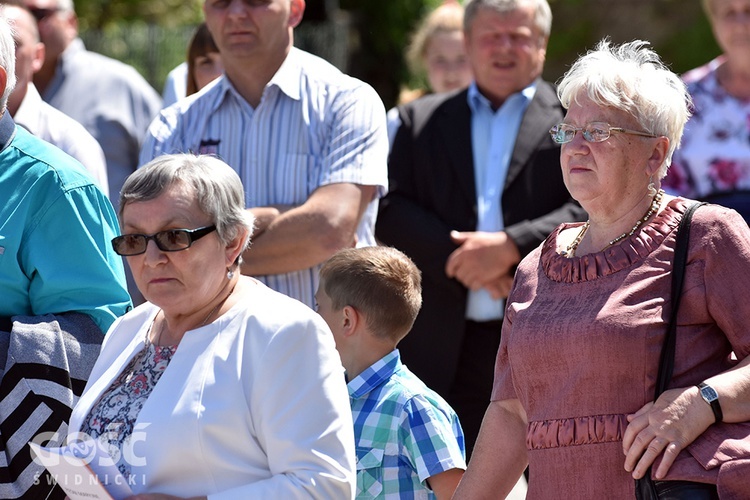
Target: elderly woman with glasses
{"points": [[217, 386], [588, 311]]}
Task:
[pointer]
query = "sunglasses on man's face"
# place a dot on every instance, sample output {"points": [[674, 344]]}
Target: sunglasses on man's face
{"points": [[171, 240], [40, 14]]}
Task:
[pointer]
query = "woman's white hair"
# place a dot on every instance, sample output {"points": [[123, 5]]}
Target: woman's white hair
{"points": [[631, 77]]}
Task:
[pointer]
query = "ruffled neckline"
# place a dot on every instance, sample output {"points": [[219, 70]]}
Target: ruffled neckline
{"points": [[631, 250]]}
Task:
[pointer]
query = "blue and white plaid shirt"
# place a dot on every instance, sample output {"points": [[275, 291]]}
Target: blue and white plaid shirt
{"points": [[404, 431]]}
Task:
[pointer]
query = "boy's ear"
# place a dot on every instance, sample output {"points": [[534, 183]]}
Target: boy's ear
{"points": [[351, 320]]}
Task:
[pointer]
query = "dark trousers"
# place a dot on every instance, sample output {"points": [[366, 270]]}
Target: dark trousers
{"points": [[470, 394]]}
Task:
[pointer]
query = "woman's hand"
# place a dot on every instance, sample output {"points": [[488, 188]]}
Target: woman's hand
{"points": [[668, 425]]}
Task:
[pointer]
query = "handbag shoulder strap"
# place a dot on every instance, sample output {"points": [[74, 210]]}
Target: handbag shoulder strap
{"points": [[666, 361]]}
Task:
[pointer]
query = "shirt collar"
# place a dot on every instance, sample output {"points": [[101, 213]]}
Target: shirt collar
{"points": [[75, 46], [225, 87], [476, 100], [286, 78], [221, 90], [7, 130], [375, 375], [29, 112]]}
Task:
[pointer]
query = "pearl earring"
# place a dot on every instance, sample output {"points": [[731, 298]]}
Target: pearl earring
{"points": [[230, 274]]}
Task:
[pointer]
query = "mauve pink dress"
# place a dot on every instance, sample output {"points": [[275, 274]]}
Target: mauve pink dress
{"points": [[582, 336]]}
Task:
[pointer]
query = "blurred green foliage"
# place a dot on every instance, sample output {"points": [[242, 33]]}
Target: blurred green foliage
{"points": [[382, 31], [152, 34], [677, 29], [103, 14]]}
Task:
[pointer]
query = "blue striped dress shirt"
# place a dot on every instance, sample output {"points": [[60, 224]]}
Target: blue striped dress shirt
{"points": [[314, 126], [493, 137]]}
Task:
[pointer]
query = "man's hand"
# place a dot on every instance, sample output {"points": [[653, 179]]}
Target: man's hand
{"points": [[500, 289], [264, 216], [483, 260], [303, 236]]}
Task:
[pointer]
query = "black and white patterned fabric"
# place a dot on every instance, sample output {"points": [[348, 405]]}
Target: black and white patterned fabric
{"points": [[47, 362]]}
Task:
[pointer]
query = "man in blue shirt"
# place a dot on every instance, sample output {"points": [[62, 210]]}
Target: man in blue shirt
{"points": [[61, 287], [476, 185], [408, 439]]}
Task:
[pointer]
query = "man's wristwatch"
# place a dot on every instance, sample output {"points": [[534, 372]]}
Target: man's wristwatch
{"points": [[711, 397]]}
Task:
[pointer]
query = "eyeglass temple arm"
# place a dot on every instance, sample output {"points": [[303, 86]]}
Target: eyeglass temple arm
{"points": [[633, 132]]}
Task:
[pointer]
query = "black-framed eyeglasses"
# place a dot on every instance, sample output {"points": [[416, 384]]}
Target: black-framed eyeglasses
{"points": [[171, 240], [563, 133], [41, 14]]}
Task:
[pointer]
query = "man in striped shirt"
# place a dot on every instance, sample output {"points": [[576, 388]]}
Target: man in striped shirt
{"points": [[308, 142]]}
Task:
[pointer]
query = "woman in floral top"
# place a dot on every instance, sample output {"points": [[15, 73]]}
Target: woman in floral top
{"points": [[217, 387], [714, 158]]}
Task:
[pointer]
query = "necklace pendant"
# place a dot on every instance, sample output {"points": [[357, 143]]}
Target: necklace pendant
{"points": [[570, 251]]}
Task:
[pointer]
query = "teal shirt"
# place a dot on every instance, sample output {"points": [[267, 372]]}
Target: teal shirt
{"points": [[55, 233]]}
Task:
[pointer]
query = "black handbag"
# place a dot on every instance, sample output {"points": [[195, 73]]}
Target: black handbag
{"points": [[646, 488]]}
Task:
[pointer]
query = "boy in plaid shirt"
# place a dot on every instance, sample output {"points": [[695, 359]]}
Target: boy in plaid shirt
{"points": [[409, 441]]}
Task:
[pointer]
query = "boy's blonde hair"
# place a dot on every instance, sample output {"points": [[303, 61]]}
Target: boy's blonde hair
{"points": [[380, 282]]}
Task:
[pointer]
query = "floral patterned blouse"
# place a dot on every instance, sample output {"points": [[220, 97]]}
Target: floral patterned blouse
{"points": [[714, 156], [112, 419]]}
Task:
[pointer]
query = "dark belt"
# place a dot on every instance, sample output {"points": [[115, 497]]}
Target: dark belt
{"points": [[6, 325], [491, 325]]}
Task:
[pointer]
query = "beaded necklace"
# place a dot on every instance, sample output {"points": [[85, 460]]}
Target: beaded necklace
{"points": [[570, 250]]}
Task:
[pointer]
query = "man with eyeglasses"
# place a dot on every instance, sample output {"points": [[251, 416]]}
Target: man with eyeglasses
{"points": [[61, 287], [476, 185], [109, 98]]}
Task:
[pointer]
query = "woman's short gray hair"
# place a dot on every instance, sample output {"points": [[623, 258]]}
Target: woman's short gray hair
{"points": [[216, 186], [631, 77], [542, 14]]}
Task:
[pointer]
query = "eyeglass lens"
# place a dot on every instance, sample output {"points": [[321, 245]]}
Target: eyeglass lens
{"points": [[171, 240], [592, 132]]}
